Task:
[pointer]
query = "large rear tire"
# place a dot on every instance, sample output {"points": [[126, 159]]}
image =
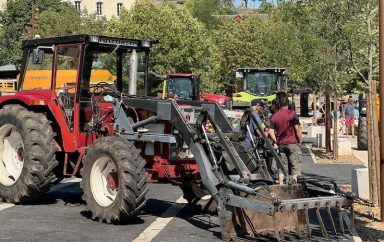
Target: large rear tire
{"points": [[114, 180], [27, 154]]}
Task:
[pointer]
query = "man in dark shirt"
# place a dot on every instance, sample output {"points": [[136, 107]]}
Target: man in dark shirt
{"points": [[286, 132], [258, 109]]}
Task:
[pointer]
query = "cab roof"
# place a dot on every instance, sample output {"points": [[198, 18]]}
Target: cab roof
{"points": [[259, 69], [91, 39], [189, 75]]}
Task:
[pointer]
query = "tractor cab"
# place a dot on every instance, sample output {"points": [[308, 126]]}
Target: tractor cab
{"points": [[74, 75], [258, 83], [187, 87], [184, 86]]}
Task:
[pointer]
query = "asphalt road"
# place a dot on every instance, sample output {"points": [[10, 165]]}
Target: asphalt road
{"points": [[61, 215]]}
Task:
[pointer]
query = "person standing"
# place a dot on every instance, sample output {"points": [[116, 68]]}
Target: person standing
{"points": [[257, 110], [348, 115], [286, 133]]}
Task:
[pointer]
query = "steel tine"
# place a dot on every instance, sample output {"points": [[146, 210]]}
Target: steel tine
{"points": [[340, 217], [298, 232], [318, 215], [306, 216], [331, 218], [276, 228]]}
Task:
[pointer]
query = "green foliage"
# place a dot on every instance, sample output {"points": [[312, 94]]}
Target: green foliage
{"points": [[68, 21], [54, 19], [226, 10], [258, 42], [184, 47], [326, 45], [16, 22], [204, 10]]}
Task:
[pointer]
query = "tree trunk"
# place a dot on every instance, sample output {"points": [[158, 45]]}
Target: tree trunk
{"points": [[371, 151], [376, 141], [335, 128], [314, 111], [328, 123]]}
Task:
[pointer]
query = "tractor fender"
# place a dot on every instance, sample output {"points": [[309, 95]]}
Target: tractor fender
{"points": [[27, 98], [40, 101]]}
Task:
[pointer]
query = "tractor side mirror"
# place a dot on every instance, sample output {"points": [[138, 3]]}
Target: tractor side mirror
{"points": [[239, 74], [38, 56]]}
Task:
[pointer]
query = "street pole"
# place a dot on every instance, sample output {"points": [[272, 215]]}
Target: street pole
{"points": [[33, 20], [381, 44]]}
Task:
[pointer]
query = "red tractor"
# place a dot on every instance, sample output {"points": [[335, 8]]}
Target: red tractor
{"points": [[187, 87], [60, 125]]}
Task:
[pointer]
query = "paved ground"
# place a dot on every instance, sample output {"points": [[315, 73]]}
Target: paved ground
{"points": [[340, 173], [61, 216]]}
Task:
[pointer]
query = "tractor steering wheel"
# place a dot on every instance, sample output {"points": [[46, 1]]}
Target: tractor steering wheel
{"points": [[102, 87]]}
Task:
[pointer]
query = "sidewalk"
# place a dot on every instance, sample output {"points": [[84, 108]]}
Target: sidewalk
{"points": [[360, 154], [340, 173]]}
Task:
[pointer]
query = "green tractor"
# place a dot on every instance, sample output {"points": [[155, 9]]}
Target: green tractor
{"points": [[258, 83]]}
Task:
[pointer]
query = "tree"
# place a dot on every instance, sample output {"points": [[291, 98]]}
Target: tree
{"points": [[67, 20], [185, 45], [204, 10], [15, 22], [258, 42]]}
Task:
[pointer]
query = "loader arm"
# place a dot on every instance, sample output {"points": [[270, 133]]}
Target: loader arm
{"points": [[242, 196]]}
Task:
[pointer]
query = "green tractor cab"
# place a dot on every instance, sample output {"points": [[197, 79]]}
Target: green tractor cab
{"points": [[258, 83]]}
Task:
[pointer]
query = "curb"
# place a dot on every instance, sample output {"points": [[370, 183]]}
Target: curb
{"points": [[311, 153], [360, 158]]}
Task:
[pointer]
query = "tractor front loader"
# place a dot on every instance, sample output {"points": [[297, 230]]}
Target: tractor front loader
{"points": [[117, 141], [247, 201]]}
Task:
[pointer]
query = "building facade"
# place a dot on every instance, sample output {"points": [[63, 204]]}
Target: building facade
{"points": [[107, 8], [3, 4]]}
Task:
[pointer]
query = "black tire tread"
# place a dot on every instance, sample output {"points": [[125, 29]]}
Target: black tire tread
{"points": [[40, 154], [134, 187]]}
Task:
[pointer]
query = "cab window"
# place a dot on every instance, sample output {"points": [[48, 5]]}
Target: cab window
{"points": [[38, 75]]}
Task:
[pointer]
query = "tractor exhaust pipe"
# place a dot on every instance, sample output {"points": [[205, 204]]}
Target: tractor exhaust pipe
{"points": [[132, 91]]}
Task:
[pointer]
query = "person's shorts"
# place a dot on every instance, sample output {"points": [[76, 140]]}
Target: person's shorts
{"points": [[349, 122], [292, 158]]}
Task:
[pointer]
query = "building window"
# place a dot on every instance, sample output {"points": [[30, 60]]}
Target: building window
{"points": [[78, 5], [119, 7], [99, 8]]}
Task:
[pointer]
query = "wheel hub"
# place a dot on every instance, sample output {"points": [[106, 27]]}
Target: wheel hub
{"points": [[112, 180], [104, 181], [11, 155]]}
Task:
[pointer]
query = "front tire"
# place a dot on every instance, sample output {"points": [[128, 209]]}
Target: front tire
{"points": [[198, 198], [114, 179], [27, 154]]}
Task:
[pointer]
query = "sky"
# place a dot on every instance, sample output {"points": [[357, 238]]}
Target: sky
{"points": [[250, 3]]}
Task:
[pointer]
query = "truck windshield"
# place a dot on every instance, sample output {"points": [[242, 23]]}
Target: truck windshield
{"points": [[262, 83], [182, 87]]}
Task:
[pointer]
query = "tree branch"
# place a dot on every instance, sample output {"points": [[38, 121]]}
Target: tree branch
{"points": [[354, 63]]}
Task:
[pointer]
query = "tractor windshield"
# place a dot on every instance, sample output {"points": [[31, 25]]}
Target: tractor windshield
{"points": [[262, 83], [182, 87], [112, 66]]}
